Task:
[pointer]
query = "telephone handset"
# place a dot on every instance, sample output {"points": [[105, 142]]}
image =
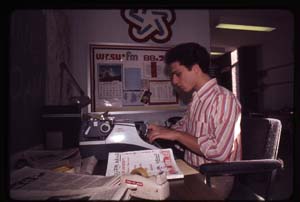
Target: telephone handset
{"points": [[171, 121]]}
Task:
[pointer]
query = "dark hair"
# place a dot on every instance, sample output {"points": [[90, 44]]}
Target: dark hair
{"points": [[188, 54]]}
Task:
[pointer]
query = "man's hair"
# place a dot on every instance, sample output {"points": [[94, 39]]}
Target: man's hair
{"points": [[188, 54]]}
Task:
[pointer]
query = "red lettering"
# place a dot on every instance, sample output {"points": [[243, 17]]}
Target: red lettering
{"points": [[108, 56], [127, 181], [99, 56], [153, 70]]}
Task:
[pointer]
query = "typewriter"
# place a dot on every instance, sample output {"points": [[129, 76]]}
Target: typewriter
{"points": [[104, 134]]}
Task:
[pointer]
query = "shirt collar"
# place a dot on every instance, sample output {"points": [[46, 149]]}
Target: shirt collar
{"points": [[203, 92]]}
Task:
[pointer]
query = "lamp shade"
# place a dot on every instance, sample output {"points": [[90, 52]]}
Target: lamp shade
{"points": [[81, 101]]}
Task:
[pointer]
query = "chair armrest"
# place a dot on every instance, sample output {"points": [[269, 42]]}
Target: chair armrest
{"points": [[240, 167]]}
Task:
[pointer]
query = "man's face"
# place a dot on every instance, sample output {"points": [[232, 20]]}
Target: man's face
{"points": [[181, 77]]}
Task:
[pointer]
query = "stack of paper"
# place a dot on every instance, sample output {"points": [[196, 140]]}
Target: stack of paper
{"points": [[40, 184]]}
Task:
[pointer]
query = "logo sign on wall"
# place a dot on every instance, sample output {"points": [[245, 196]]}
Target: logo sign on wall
{"points": [[145, 25]]}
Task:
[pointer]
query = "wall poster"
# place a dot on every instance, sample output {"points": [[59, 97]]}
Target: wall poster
{"points": [[129, 76]]}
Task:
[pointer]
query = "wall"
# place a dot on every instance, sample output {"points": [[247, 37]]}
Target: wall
{"points": [[277, 51], [249, 62], [26, 78], [58, 85], [39, 41], [97, 26]]}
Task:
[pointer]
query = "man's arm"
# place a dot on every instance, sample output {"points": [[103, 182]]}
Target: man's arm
{"points": [[222, 143], [159, 132]]}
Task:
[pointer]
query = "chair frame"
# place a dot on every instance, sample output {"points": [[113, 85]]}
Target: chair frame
{"points": [[268, 164]]}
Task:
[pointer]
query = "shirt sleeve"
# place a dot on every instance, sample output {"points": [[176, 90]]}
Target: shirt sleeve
{"points": [[224, 128]]}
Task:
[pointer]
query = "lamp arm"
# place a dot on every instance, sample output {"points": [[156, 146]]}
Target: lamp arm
{"points": [[63, 66]]}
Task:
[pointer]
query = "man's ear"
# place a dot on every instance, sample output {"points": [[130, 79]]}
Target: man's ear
{"points": [[196, 68]]}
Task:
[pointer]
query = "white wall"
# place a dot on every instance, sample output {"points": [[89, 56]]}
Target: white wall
{"points": [[97, 26]]}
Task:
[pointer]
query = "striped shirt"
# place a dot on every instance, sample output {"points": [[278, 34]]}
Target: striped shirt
{"points": [[213, 117]]}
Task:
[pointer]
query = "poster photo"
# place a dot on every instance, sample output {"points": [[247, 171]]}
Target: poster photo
{"points": [[109, 72], [109, 85]]}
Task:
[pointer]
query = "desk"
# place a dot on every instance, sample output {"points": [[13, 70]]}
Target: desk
{"points": [[191, 187]]}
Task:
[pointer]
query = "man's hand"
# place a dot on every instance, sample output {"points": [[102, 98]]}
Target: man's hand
{"points": [[159, 132]]}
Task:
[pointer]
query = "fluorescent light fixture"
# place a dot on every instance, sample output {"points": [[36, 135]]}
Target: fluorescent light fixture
{"points": [[245, 27], [216, 53]]}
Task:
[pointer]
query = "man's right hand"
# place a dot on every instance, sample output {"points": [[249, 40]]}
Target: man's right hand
{"points": [[160, 132]]}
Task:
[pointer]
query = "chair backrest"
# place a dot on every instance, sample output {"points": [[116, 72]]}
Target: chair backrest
{"points": [[260, 137], [260, 140]]}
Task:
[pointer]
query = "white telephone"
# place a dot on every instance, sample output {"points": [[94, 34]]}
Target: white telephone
{"points": [[140, 185]]}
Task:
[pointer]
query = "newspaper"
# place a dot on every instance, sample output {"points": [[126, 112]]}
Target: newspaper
{"points": [[88, 164], [154, 161], [40, 184], [68, 160], [51, 159]]}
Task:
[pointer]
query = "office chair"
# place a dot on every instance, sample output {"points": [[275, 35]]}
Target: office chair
{"points": [[255, 173]]}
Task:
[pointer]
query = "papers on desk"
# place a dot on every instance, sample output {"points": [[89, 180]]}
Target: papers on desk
{"points": [[154, 161], [68, 160], [40, 184], [185, 168]]}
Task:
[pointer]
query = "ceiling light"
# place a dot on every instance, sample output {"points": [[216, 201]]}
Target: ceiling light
{"points": [[245, 27], [216, 53]]}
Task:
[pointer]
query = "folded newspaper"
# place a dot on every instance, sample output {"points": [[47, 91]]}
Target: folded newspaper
{"points": [[41, 184], [68, 160], [154, 161], [52, 159]]}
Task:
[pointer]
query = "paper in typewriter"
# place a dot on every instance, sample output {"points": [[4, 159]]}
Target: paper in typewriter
{"points": [[154, 161]]}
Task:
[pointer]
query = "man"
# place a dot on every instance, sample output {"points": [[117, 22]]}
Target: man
{"points": [[210, 129]]}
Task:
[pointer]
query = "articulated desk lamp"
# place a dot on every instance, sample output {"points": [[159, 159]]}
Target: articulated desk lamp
{"points": [[82, 100]]}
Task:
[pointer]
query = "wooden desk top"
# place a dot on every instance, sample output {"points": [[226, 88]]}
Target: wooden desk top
{"points": [[191, 187]]}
